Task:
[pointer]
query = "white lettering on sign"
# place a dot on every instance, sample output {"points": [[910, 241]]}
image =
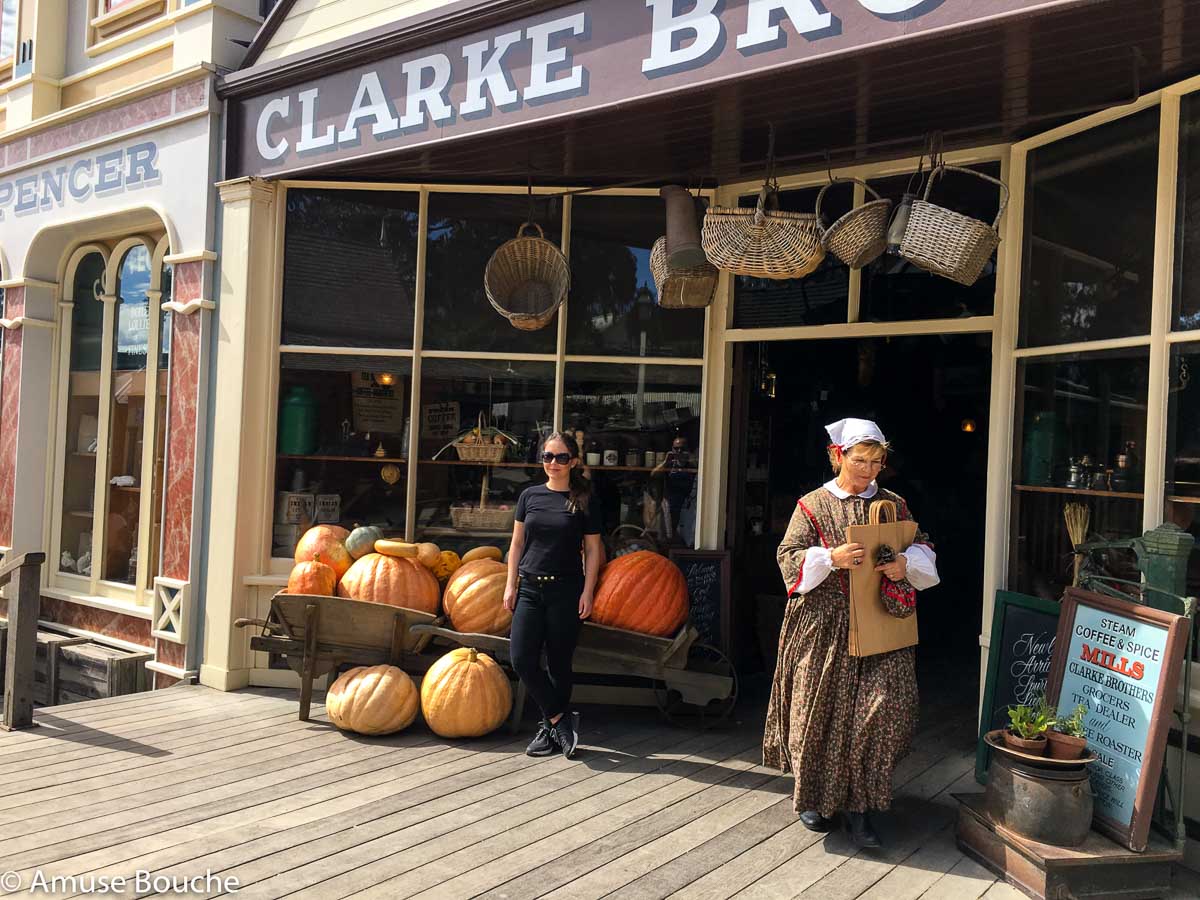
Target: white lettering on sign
{"points": [[489, 74], [542, 82], [667, 52], [890, 7], [309, 140], [762, 33], [369, 103], [279, 107], [432, 96], [105, 173]]}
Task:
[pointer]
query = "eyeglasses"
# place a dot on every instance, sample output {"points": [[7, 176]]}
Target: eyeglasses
{"points": [[860, 463], [562, 459]]}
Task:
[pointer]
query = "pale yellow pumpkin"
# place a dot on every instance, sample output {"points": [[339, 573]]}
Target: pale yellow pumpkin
{"points": [[482, 553], [372, 700], [474, 598], [465, 694], [396, 549], [428, 554]]}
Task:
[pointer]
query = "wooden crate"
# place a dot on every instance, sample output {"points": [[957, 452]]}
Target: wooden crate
{"points": [[90, 671], [50, 645]]}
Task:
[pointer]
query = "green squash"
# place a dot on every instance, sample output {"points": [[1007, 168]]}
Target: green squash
{"points": [[362, 540]]}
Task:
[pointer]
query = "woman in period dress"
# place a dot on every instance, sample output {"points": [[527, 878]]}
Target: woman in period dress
{"points": [[840, 723]]}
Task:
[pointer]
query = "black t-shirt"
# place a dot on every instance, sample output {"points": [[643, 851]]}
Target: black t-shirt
{"points": [[553, 536]]}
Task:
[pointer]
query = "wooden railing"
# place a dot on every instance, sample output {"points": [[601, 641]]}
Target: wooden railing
{"points": [[23, 610]]}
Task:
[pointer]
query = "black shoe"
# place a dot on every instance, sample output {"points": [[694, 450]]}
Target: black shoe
{"points": [[543, 743], [861, 831], [566, 733], [814, 821]]}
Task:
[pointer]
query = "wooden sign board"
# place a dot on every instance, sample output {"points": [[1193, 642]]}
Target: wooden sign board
{"points": [[377, 408], [707, 574], [1020, 653], [1122, 660]]}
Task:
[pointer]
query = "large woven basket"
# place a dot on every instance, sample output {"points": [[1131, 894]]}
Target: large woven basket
{"points": [[690, 288], [482, 453], [859, 237], [527, 278], [762, 242], [465, 518], [946, 242]]}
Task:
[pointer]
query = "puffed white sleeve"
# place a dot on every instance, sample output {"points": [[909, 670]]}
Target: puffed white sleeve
{"points": [[803, 562], [922, 570], [818, 563]]}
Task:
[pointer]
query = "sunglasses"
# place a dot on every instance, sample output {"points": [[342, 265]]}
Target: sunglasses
{"points": [[562, 459]]}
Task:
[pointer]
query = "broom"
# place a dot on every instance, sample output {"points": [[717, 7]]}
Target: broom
{"points": [[1077, 517]]}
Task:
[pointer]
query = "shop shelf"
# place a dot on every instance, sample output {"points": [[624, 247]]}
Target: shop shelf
{"points": [[1077, 492], [1172, 499], [518, 465], [84, 454], [81, 513], [440, 531], [362, 459]]}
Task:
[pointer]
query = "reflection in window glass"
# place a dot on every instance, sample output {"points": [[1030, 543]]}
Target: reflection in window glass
{"points": [[821, 298], [8, 28], [613, 305], [640, 426], [1080, 436], [1186, 313], [341, 444], [1183, 452], [166, 284], [1089, 234], [464, 231], [515, 398], [81, 431], [350, 263]]}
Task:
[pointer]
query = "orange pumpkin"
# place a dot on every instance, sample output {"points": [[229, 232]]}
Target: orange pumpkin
{"points": [[474, 598], [372, 700], [326, 544], [312, 577], [465, 694], [391, 580], [644, 592]]}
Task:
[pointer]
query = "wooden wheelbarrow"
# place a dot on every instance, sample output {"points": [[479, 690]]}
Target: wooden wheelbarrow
{"points": [[693, 683], [317, 634]]}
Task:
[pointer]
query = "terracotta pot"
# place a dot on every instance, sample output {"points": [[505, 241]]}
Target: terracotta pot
{"points": [[1035, 747], [1063, 746]]}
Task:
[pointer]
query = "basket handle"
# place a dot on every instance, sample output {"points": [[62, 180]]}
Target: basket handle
{"points": [[882, 511], [996, 181], [535, 225], [766, 198], [832, 182]]}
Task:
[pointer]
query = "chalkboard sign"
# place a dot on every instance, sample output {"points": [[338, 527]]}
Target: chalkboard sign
{"points": [[1019, 659], [1121, 659], [707, 574]]}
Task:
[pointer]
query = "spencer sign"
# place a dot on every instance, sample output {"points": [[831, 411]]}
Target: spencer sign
{"points": [[582, 56]]}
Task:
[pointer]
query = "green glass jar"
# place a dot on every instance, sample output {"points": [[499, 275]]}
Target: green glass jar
{"points": [[298, 422]]}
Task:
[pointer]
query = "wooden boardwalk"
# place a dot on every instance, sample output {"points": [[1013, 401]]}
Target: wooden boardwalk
{"points": [[189, 782]]}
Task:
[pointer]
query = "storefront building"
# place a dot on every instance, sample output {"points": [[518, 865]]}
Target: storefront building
{"points": [[108, 152], [377, 158]]}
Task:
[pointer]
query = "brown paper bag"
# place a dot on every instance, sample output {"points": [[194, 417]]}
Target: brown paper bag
{"points": [[872, 628]]}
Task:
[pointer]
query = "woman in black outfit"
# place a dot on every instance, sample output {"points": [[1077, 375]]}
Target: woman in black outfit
{"points": [[550, 587]]}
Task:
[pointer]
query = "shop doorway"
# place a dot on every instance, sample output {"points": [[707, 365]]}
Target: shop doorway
{"points": [[930, 394]]}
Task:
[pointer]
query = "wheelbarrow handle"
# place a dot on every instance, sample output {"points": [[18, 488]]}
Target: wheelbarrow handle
{"points": [[272, 627]]}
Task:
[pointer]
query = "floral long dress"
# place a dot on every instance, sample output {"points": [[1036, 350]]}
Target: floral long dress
{"points": [[839, 723]]}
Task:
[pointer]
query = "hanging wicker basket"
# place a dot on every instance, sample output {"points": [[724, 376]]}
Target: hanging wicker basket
{"points": [[690, 288], [526, 279], [946, 242], [859, 237], [762, 242]]}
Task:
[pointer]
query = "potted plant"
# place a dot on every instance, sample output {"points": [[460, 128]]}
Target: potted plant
{"points": [[1028, 726], [1067, 739]]}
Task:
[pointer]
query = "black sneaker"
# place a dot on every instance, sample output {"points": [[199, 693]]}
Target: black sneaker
{"points": [[544, 742], [566, 732]]}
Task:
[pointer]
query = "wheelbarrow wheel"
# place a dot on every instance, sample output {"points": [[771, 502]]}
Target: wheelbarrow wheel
{"points": [[685, 713]]}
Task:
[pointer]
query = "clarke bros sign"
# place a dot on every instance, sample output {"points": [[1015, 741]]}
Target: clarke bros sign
{"points": [[590, 54]]}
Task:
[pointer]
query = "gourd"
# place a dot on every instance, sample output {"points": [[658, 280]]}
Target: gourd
{"points": [[314, 578], [373, 700], [643, 592], [398, 549], [395, 582], [482, 553], [324, 543], [447, 564], [362, 540], [474, 598], [428, 554], [465, 694]]}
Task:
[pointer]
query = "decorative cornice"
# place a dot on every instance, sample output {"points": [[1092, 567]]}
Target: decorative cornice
{"points": [[242, 189], [28, 282], [107, 298], [200, 256], [154, 665], [21, 321], [186, 309]]}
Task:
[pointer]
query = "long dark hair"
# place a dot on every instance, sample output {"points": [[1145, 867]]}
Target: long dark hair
{"points": [[580, 487]]}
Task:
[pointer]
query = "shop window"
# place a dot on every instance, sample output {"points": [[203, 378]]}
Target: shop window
{"points": [[640, 426], [1183, 451], [822, 298], [613, 308], [1089, 234], [464, 231], [342, 444], [467, 499], [8, 28], [894, 289], [1186, 311], [350, 268], [82, 422], [1079, 439]]}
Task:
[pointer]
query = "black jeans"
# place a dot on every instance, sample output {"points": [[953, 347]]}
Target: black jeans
{"points": [[547, 616]]}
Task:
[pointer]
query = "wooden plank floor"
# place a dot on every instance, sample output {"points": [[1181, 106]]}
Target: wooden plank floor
{"points": [[191, 782]]}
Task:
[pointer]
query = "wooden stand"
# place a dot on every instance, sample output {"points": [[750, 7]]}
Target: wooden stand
{"points": [[1098, 870]]}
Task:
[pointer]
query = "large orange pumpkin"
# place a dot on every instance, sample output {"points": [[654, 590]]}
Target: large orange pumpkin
{"points": [[372, 700], [326, 544], [474, 598], [465, 694], [390, 580], [312, 578], [644, 592]]}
